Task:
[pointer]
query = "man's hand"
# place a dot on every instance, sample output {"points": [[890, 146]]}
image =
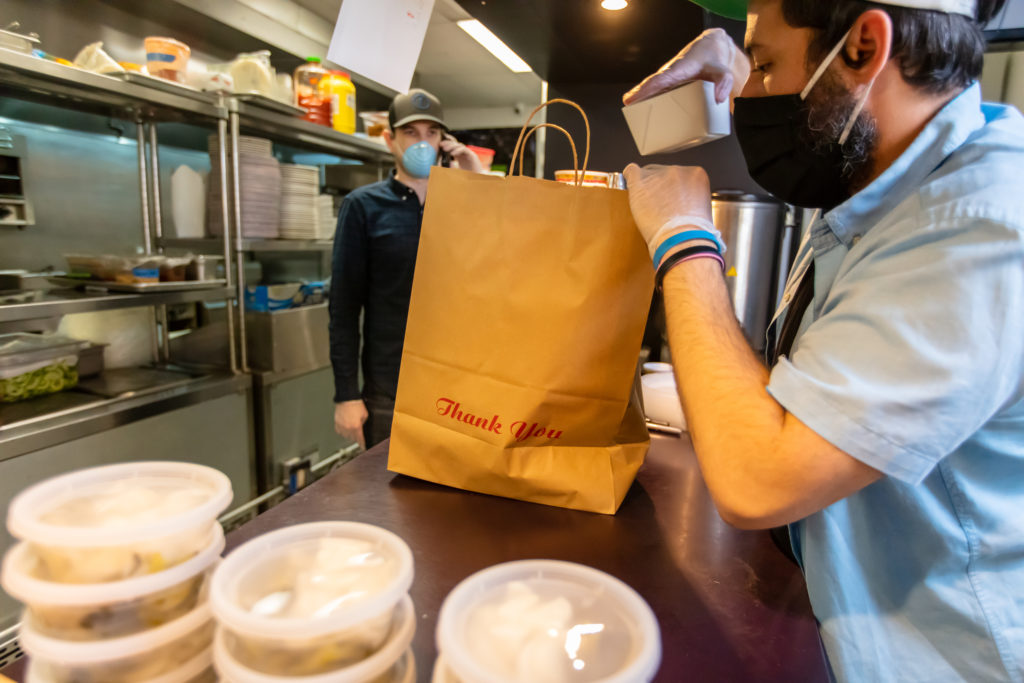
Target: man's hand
{"points": [[668, 201], [712, 56], [467, 158], [349, 417]]}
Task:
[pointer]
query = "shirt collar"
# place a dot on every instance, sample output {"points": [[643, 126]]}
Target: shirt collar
{"points": [[399, 188], [946, 132]]}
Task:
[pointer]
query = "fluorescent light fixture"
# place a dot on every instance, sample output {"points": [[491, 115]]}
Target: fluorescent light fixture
{"points": [[614, 4], [483, 35]]}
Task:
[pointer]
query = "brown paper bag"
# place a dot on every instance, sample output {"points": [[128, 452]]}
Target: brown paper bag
{"points": [[527, 313]]}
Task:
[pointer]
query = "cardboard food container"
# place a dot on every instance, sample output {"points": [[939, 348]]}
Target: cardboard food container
{"points": [[679, 119]]}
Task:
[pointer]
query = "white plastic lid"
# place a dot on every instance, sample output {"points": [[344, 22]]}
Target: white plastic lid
{"points": [[32, 591], [119, 504], [188, 671], [261, 588], [569, 621], [369, 669], [74, 653]]}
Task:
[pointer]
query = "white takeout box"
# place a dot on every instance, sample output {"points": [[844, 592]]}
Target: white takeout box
{"points": [[679, 119]]}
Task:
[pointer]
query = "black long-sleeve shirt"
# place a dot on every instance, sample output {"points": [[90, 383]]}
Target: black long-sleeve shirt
{"points": [[374, 259]]}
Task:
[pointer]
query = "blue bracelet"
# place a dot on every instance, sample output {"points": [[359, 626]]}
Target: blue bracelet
{"points": [[679, 238]]}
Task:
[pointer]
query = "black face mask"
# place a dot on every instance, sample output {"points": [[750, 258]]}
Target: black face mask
{"points": [[779, 160]]}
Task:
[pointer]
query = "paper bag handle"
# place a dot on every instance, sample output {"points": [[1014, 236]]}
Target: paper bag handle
{"points": [[521, 144], [572, 143]]}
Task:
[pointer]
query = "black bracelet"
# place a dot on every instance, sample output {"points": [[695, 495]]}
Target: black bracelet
{"points": [[673, 259]]}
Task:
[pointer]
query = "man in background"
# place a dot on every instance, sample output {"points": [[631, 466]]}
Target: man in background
{"points": [[374, 259]]}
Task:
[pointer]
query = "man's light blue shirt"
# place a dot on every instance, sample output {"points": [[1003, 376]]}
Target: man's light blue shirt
{"points": [[911, 360]]}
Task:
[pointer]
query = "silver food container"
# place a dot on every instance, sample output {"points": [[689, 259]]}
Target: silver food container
{"points": [[206, 268], [293, 339], [18, 42]]}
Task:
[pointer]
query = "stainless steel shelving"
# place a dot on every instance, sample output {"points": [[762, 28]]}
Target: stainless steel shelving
{"points": [[55, 303], [213, 246]]}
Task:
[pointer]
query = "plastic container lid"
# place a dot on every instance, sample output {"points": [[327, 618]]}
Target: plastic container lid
{"points": [[188, 671], [22, 348], [263, 572], [79, 653], [315, 60], [547, 615], [31, 591], [197, 494], [369, 669]]}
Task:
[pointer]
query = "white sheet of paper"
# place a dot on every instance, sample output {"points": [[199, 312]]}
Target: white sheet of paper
{"points": [[381, 39]]}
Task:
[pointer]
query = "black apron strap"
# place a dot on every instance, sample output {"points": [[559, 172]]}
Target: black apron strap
{"points": [[787, 335]]}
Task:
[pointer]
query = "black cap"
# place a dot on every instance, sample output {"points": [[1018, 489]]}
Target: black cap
{"points": [[416, 105]]}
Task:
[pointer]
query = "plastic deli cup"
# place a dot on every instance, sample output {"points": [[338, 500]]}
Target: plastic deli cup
{"points": [[119, 521], [590, 178], [82, 612], [311, 598], [199, 669], [146, 656], [547, 620], [393, 662], [166, 58]]}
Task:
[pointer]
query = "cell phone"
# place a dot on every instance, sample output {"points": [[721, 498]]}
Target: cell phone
{"points": [[446, 159]]}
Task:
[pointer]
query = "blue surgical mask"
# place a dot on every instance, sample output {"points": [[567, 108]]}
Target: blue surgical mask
{"points": [[418, 159]]}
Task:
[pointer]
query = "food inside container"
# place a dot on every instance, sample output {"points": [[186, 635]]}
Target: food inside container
{"points": [[393, 662], [542, 621], [34, 365], [175, 268], [111, 268], [166, 58], [119, 521], [590, 178], [311, 598], [374, 122], [89, 612], [147, 656]]}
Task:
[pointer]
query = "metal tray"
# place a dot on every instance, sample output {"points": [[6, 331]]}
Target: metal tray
{"points": [[257, 100], [138, 287], [165, 85]]}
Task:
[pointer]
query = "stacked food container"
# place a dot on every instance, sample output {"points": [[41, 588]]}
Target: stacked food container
{"points": [[113, 566], [545, 621], [325, 602]]}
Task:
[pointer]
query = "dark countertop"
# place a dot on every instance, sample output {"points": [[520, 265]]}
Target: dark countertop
{"points": [[730, 606]]}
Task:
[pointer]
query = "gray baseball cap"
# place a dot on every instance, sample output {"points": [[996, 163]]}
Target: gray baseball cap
{"points": [[416, 105]]}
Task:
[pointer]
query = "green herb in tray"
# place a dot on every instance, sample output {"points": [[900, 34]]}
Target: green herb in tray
{"points": [[47, 380]]}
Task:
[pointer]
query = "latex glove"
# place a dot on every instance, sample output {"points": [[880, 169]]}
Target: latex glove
{"points": [[712, 56], [672, 207], [467, 158], [349, 417]]}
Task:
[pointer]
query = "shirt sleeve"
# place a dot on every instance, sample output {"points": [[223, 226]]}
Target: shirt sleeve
{"points": [[916, 346], [347, 298]]}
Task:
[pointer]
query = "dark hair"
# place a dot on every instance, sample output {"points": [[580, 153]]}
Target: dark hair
{"points": [[937, 52]]}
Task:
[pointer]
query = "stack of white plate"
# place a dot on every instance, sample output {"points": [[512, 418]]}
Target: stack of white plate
{"points": [[300, 191], [326, 218], [260, 185]]}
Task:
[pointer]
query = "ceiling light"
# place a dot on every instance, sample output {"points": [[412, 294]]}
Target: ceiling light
{"points": [[483, 35], [614, 4]]}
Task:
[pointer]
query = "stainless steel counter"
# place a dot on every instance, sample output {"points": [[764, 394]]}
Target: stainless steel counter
{"points": [[51, 420]]}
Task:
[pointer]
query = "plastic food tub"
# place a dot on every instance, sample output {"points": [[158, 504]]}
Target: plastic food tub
{"points": [[392, 663], [84, 612], [590, 178], [543, 620], [34, 365], [311, 598], [151, 656], [166, 58], [199, 669], [485, 155], [116, 522]]}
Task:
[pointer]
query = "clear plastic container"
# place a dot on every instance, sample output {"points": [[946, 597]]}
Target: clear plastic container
{"points": [[544, 621], [392, 663], [166, 58], [199, 669], [155, 655], [34, 365], [311, 598], [307, 92], [118, 521], [84, 612]]}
